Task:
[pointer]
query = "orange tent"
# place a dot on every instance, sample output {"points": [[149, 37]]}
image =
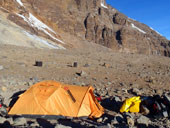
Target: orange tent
{"points": [[54, 98]]}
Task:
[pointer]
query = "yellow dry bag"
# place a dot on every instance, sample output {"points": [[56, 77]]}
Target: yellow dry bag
{"points": [[131, 104]]}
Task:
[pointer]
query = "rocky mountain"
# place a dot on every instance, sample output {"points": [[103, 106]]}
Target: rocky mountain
{"points": [[72, 23]]}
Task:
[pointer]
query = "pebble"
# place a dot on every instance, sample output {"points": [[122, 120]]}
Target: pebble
{"points": [[117, 99], [144, 110], [1, 67], [136, 91], [143, 120], [61, 126], [105, 126], [2, 120], [119, 118], [35, 124], [20, 121], [99, 120], [4, 89], [3, 111], [130, 121], [81, 73]]}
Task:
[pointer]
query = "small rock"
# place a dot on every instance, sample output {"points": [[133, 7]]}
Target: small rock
{"points": [[119, 118], [109, 83], [38, 63], [99, 120], [105, 126], [2, 120], [144, 110], [105, 119], [10, 120], [4, 89], [75, 64], [61, 126], [35, 125], [165, 114], [168, 122], [105, 65], [159, 91], [20, 121], [130, 121], [124, 90], [3, 111], [1, 67], [136, 91], [143, 120], [86, 65], [117, 99], [81, 73]]}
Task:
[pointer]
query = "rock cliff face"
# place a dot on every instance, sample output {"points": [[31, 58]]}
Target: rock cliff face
{"points": [[90, 20]]}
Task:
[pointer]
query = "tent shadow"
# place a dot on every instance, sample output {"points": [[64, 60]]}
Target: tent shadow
{"points": [[6, 124], [111, 104], [68, 122], [44, 123], [14, 98]]}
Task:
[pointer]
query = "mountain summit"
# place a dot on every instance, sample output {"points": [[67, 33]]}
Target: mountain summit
{"points": [[72, 23]]}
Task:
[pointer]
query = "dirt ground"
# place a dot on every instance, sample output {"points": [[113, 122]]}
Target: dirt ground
{"points": [[103, 69]]}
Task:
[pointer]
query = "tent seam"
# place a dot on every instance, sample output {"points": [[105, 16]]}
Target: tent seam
{"points": [[82, 101]]}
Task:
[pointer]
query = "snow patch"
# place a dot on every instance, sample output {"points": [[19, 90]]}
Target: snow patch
{"points": [[132, 19], [133, 26], [103, 4], [20, 2], [34, 22], [113, 10], [155, 31], [54, 46]]}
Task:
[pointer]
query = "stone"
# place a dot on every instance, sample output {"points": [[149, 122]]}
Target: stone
{"points": [[105, 119], [165, 114], [4, 89], [3, 111], [34, 125], [2, 120], [75, 64], [119, 118], [136, 91], [143, 120], [61, 126], [105, 126], [100, 120], [159, 91], [117, 99], [106, 65], [86, 65], [144, 110], [10, 120], [19, 121], [38, 63], [130, 121], [1, 67], [82, 73]]}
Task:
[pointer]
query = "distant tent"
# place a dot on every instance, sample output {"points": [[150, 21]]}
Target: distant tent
{"points": [[54, 98]]}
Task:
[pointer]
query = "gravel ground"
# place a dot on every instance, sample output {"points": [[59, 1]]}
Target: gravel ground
{"points": [[115, 77]]}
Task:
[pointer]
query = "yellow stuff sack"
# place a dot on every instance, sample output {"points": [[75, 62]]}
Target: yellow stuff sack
{"points": [[131, 104]]}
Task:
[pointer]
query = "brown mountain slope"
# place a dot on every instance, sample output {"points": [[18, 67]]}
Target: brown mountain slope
{"points": [[87, 20]]}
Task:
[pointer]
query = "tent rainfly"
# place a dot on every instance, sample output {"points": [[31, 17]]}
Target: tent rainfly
{"points": [[54, 98]]}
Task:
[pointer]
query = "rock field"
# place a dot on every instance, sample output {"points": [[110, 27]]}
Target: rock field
{"points": [[114, 76]]}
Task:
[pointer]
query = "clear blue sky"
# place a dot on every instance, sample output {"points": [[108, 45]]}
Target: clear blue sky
{"points": [[154, 13]]}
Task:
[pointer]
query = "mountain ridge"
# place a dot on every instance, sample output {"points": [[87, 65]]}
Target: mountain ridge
{"points": [[91, 21]]}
